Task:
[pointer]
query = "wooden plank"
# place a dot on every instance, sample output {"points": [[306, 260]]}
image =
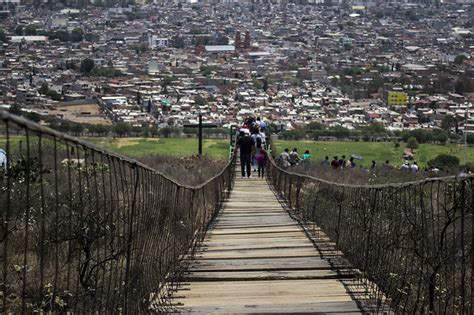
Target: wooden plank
{"points": [[264, 275], [260, 253], [244, 307], [281, 236], [212, 246], [255, 231], [229, 226], [274, 263]]}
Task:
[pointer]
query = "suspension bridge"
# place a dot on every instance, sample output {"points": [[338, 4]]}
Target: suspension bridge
{"points": [[256, 258], [85, 230]]}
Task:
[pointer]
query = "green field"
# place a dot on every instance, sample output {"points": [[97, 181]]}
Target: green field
{"points": [[136, 147], [378, 151]]}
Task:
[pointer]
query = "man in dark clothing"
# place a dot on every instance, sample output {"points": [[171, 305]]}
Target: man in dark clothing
{"points": [[246, 145]]}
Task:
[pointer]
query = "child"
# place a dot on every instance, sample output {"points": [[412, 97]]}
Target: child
{"points": [[261, 158]]}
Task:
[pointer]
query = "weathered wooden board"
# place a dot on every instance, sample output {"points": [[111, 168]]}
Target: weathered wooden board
{"points": [[275, 263]]}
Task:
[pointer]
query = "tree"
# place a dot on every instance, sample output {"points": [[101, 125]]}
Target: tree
{"points": [[19, 30], [77, 35], [107, 72], [178, 42], [445, 161], [55, 96], [421, 135], [207, 70], [470, 138], [15, 109], [3, 36], [62, 35], [122, 129], [265, 84], [33, 117], [154, 131], [211, 98], [257, 84], [44, 89], [70, 65], [444, 84], [87, 65], [440, 136], [222, 40], [412, 143], [77, 129], [167, 80], [459, 60], [340, 132], [464, 84], [315, 126], [199, 100], [145, 129], [375, 129], [101, 129], [65, 126], [448, 123], [165, 132], [30, 30]]}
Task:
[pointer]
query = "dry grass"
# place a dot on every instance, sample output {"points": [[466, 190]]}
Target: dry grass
{"points": [[361, 176], [126, 142], [74, 113], [192, 170], [88, 218]]}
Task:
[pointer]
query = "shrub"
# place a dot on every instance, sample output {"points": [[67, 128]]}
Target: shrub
{"points": [[412, 143], [454, 137], [470, 138], [445, 161], [440, 136]]}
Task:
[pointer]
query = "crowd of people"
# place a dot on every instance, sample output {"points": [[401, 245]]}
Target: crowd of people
{"points": [[252, 143], [288, 159], [292, 158]]}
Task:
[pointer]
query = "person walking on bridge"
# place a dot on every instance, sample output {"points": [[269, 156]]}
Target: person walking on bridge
{"points": [[260, 157], [247, 146]]}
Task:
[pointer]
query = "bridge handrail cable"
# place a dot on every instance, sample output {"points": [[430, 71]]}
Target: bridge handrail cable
{"points": [[411, 242], [86, 230]]}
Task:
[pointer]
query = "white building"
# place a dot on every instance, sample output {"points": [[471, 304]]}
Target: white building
{"points": [[154, 41]]}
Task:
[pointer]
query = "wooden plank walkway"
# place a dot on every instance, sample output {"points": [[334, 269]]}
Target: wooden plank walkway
{"points": [[257, 259]]}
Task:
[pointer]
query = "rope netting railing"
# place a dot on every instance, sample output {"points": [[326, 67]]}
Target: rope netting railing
{"points": [[412, 243], [85, 230]]}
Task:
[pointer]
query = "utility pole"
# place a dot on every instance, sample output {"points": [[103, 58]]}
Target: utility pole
{"points": [[465, 137]]}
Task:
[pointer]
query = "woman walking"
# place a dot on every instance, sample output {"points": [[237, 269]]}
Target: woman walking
{"points": [[260, 157]]}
